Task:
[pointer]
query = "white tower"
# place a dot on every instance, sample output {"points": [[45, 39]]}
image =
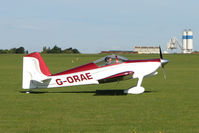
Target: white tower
{"points": [[184, 41], [187, 41], [190, 41]]}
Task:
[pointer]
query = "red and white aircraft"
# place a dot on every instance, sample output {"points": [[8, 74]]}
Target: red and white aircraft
{"points": [[107, 69]]}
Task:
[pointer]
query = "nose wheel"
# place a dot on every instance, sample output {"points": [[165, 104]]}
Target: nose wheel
{"points": [[137, 89]]}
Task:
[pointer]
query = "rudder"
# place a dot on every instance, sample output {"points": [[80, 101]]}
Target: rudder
{"points": [[34, 69]]}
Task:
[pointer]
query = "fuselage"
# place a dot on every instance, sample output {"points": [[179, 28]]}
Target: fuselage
{"points": [[92, 74]]}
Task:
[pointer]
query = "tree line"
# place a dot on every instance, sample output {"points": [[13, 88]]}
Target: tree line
{"points": [[19, 50], [54, 50]]}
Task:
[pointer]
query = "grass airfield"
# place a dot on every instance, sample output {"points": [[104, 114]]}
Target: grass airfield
{"points": [[168, 106]]}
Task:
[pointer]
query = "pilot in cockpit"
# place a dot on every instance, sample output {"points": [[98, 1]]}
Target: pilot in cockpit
{"points": [[108, 60]]}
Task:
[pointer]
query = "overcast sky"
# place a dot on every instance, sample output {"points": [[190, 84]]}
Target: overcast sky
{"points": [[95, 25]]}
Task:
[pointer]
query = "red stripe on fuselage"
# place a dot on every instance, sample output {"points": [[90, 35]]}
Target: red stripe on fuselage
{"points": [[85, 67]]}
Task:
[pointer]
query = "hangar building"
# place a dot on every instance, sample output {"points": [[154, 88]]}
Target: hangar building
{"points": [[146, 50]]}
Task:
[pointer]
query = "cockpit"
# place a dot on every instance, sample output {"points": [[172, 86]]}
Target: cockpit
{"points": [[109, 60]]}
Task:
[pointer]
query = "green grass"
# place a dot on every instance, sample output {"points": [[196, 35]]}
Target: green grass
{"points": [[172, 106]]}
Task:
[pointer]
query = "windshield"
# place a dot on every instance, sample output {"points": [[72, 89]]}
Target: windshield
{"points": [[110, 59]]}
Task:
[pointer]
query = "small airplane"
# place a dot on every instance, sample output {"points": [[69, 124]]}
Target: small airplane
{"points": [[107, 69]]}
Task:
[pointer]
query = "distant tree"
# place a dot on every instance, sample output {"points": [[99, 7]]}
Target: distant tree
{"points": [[13, 50], [20, 50], [48, 50], [75, 51], [55, 49], [71, 51], [67, 51], [44, 50], [3, 51]]}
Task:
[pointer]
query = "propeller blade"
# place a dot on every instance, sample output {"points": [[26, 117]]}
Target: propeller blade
{"points": [[161, 57], [163, 62], [164, 72]]}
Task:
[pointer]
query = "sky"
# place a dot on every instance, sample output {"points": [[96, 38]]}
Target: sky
{"points": [[92, 26]]}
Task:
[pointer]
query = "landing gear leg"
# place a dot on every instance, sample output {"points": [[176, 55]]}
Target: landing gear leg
{"points": [[137, 89]]}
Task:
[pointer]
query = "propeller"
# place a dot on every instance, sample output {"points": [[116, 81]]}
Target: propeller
{"points": [[161, 57], [163, 62]]}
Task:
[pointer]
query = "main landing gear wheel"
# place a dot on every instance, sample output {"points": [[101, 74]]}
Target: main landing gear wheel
{"points": [[137, 89], [134, 90]]}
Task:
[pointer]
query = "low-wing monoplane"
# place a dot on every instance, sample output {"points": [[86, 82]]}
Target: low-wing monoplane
{"points": [[107, 69]]}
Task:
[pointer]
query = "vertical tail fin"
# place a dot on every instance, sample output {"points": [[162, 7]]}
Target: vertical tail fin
{"points": [[34, 69]]}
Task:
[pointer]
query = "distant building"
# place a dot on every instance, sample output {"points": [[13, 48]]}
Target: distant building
{"points": [[146, 50], [118, 52]]}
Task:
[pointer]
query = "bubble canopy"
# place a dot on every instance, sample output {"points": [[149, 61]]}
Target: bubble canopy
{"points": [[115, 59]]}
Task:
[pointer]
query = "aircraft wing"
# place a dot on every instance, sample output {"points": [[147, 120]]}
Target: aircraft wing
{"points": [[117, 77]]}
